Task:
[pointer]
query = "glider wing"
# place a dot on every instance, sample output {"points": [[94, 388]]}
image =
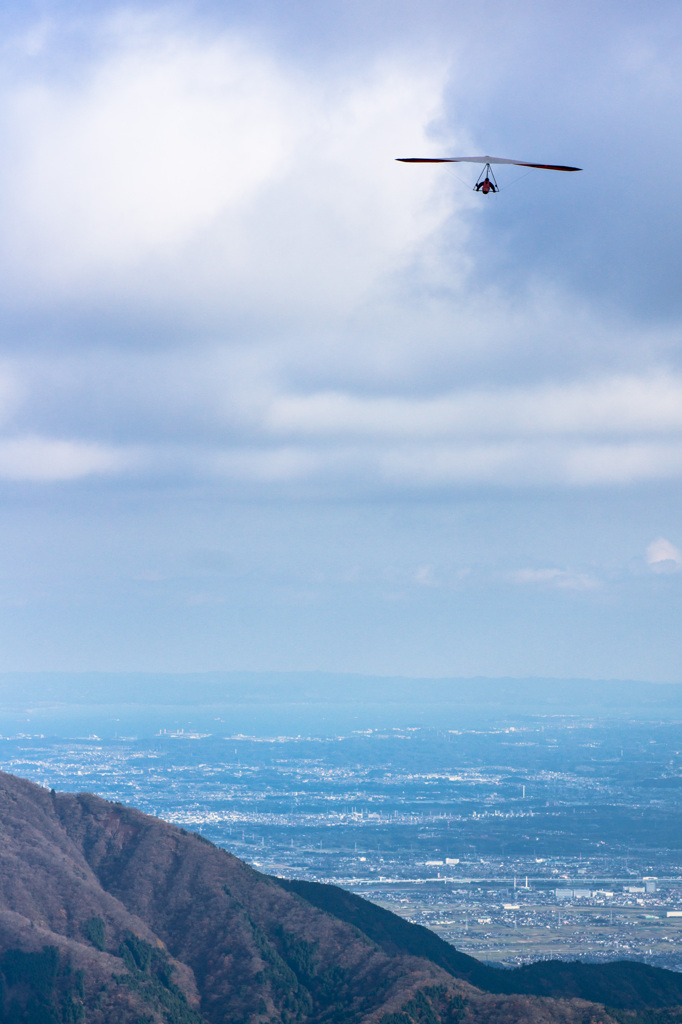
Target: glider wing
{"points": [[481, 160]]}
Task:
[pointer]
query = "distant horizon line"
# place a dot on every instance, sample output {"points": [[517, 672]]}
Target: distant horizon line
{"points": [[331, 674]]}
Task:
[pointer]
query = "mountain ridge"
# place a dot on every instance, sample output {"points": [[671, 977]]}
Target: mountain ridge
{"points": [[622, 984], [111, 915]]}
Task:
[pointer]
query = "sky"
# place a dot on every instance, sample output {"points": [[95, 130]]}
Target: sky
{"points": [[270, 400]]}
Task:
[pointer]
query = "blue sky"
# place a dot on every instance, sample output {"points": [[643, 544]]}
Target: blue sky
{"points": [[271, 400]]}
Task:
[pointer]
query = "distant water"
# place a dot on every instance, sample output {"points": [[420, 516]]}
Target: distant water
{"points": [[286, 719], [308, 704]]}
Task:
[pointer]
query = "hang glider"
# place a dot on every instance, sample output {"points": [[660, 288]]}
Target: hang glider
{"points": [[486, 180], [481, 160]]}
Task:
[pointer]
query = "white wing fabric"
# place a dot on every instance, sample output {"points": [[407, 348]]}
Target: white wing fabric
{"points": [[481, 160]]}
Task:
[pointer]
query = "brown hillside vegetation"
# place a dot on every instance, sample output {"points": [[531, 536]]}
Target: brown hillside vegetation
{"points": [[110, 915]]}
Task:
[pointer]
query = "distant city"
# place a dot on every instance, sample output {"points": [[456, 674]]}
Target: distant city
{"points": [[547, 836]]}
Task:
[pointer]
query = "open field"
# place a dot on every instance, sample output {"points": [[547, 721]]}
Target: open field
{"points": [[482, 927]]}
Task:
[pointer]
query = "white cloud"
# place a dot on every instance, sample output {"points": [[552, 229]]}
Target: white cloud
{"points": [[333, 322], [218, 413], [527, 463], [206, 173], [368, 468], [559, 578], [633, 463], [662, 556], [621, 405], [47, 460], [424, 576]]}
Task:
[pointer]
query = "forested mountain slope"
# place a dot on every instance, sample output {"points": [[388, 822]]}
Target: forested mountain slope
{"points": [[621, 984], [110, 915]]}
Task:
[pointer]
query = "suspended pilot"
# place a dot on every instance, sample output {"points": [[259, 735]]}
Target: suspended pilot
{"points": [[485, 186]]}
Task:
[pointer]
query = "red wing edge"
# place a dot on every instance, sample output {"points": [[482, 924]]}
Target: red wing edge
{"points": [[548, 167]]}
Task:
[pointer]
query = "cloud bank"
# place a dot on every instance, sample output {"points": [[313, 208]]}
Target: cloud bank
{"points": [[340, 406], [243, 283]]}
